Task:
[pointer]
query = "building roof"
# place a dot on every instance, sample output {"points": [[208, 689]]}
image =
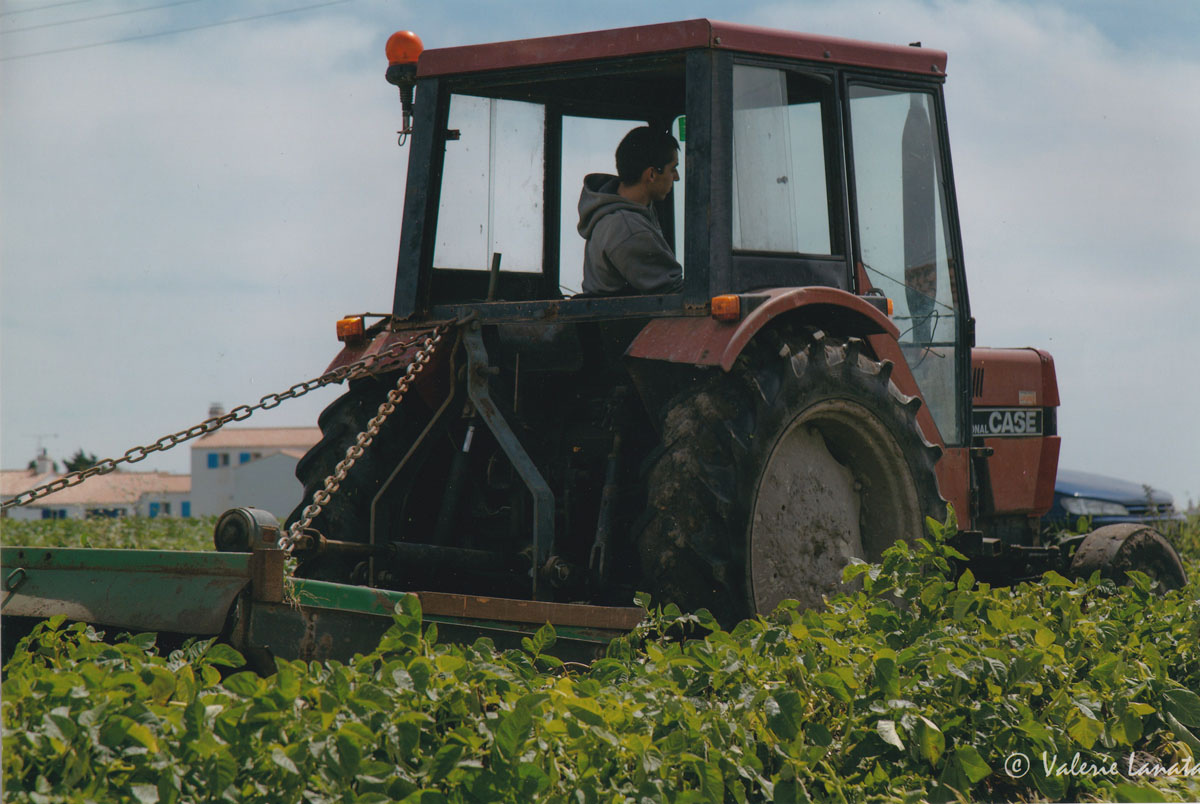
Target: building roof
{"points": [[14, 481], [114, 488], [264, 437], [674, 36]]}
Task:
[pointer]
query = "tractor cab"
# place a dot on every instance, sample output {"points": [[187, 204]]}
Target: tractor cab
{"points": [[805, 162]]}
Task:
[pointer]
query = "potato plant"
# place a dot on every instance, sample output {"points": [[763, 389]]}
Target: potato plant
{"points": [[134, 532], [920, 685]]}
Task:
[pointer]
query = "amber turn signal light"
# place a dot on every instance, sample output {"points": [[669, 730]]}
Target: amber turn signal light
{"points": [[350, 329], [891, 307], [726, 308]]}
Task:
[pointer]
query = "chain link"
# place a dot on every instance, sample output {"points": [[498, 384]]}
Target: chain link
{"points": [[350, 371], [363, 440]]}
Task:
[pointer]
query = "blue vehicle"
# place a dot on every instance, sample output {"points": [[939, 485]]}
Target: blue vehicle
{"points": [[1107, 501]]}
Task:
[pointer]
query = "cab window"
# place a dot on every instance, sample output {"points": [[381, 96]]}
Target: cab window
{"points": [[781, 193], [901, 203], [492, 185]]}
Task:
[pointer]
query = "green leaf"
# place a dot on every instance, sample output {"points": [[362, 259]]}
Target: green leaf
{"points": [[513, 729], [159, 683], [543, 639], [785, 712], [1126, 729], [349, 755], [247, 684], [223, 655], [966, 581], [1138, 793], [887, 677], [145, 793], [855, 568], [1044, 637], [282, 760], [1052, 578], [1181, 731], [818, 734], [930, 740], [1184, 705], [425, 797], [445, 761], [193, 717], [971, 763], [835, 685], [1083, 729], [887, 730]]}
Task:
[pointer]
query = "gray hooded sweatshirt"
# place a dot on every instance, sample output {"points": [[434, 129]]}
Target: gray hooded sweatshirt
{"points": [[626, 251]]}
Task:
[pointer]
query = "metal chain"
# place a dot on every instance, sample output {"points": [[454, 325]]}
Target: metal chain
{"points": [[241, 412], [333, 482]]}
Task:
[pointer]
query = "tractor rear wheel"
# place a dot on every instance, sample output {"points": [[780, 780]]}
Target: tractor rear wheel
{"points": [[1117, 549], [771, 478]]}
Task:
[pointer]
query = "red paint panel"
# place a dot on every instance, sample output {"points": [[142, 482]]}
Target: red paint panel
{"points": [[829, 48], [1022, 472], [1011, 375], [612, 43], [706, 342], [430, 383], [696, 340], [869, 319], [672, 36], [954, 484]]}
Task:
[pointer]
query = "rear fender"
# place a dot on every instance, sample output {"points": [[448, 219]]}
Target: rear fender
{"points": [[708, 342], [430, 384]]}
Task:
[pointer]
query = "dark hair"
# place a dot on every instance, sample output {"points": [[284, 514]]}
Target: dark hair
{"points": [[642, 148]]}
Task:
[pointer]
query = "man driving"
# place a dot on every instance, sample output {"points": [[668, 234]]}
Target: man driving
{"points": [[626, 251]]}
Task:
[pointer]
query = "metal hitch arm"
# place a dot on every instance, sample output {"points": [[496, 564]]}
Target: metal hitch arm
{"points": [[478, 371]]}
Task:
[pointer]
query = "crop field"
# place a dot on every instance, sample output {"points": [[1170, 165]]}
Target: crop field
{"points": [[919, 684]]}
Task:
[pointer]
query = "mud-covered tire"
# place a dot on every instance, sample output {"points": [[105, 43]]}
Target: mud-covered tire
{"points": [[1114, 550], [770, 478], [347, 515]]}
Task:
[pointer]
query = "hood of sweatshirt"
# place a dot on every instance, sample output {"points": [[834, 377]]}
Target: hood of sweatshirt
{"points": [[599, 197]]}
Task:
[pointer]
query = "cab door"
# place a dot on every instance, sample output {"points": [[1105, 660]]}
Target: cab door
{"points": [[905, 237]]}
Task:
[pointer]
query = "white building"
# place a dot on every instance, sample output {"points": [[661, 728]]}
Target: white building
{"points": [[149, 494], [249, 466]]}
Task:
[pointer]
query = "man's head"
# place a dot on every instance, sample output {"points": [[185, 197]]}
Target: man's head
{"points": [[650, 158]]}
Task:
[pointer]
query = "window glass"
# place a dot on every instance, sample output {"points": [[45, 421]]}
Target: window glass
{"points": [[901, 204], [492, 185], [589, 145], [780, 186]]}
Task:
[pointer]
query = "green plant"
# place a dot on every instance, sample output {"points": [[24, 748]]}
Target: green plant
{"points": [[919, 685], [163, 533]]}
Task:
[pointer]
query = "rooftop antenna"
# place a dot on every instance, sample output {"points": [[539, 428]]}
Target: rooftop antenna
{"points": [[41, 448]]}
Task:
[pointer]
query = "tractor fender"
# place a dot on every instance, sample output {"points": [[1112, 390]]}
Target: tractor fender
{"points": [[708, 342], [430, 384]]}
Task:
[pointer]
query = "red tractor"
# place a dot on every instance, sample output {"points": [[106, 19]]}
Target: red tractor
{"points": [[812, 394]]}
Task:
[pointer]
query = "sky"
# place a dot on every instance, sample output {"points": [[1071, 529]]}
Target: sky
{"points": [[192, 192]]}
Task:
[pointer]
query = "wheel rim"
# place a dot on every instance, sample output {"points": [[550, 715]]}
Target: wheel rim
{"points": [[836, 486]]}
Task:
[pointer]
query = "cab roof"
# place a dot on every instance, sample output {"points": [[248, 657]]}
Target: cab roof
{"points": [[675, 36]]}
